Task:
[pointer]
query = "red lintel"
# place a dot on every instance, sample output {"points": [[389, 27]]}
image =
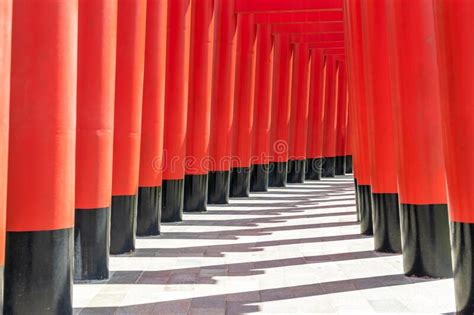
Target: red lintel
{"points": [[286, 5]]}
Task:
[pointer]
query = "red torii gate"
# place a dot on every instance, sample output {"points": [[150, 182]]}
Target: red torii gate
{"points": [[263, 90], [262, 148], [281, 111], [126, 169], [244, 96], [314, 153], [330, 119], [299, 117], [223, 84]]}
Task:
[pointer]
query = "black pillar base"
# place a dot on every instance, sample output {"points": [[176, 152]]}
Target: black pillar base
{"points": [[195, 193], [259, 178], [356, 193], [149, 211], [329, 167], [172, 200], [425, 239], [340, 165], [91, 244], [313, 169], [296, 171], [123, 225], [386, 219], [240, 182], [38, 272], [218, 187], [365, 210], [349, 164], [462, 240], [277, 174]]}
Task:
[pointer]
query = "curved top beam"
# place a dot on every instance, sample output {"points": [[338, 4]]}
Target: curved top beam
{"points": [[286, 5], [308, 27], [331, 44], [316, 37], [299, 17], [334, 51]]}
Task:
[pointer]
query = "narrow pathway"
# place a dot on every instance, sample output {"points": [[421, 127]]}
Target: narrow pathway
{"points": [[291, 250]]}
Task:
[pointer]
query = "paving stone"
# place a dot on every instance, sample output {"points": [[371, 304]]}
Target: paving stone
{"points": [[291, 250]]}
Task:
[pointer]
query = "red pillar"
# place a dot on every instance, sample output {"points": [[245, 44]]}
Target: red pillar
{"points": [[383, 170], [421, 176], [316, 115], [359, 110], [282, 70], [352, 95], [453, 20], [5, 66], [243, 106], [349, 131], [131, 26], [299, 113], [176, 104], [341, 119], [222, 102], [151, 148], [263, 110], [40, 200], [330, 117], [353, 134], [94, 150], [199, 106]]}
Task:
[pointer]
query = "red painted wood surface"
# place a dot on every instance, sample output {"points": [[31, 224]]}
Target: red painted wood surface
{"points": [[5, 66], [285, 5], [308, 27], [178, 45], [263, 92], [455, 50], [298, 133], [299, 16], [222, 86], [383, 164], [128, 96], [316, 105], [200, 84], [358, 106], [281, 98], [42, 116], [97, 44], [341, 111], [151, 147], [244, 91], [421, 177], [330, 107]]}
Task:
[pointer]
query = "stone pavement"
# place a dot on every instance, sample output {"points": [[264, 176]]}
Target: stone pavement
{"points": [[290, 250]]}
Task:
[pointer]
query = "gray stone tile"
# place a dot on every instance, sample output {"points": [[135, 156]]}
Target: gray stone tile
{"points": [[210, 302], [294, 249], [388, 306]]}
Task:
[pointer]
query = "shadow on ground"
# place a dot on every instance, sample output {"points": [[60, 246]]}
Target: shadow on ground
{"points": [[295, 202]]}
